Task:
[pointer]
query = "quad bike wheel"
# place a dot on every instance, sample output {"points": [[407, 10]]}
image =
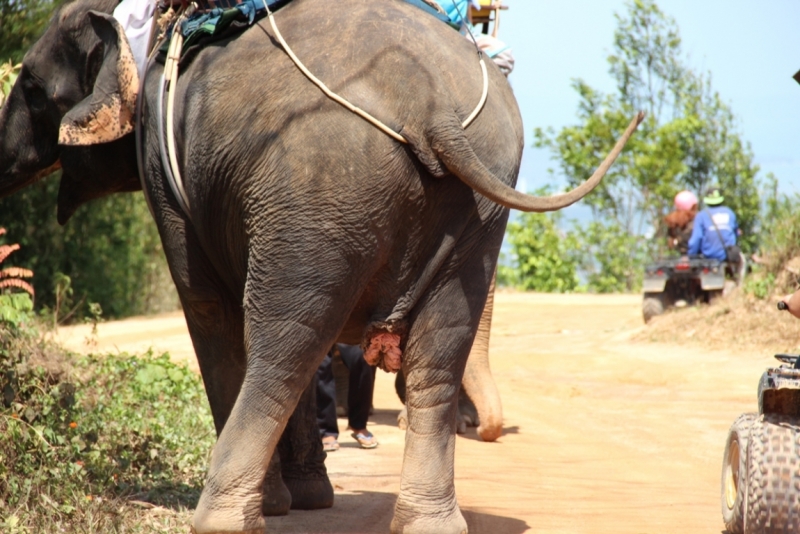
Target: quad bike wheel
{"points": [[773, 475], [652, 305], [734, 473]]}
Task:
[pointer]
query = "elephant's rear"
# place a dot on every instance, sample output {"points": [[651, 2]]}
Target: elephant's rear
{"points": [[393, 60]]}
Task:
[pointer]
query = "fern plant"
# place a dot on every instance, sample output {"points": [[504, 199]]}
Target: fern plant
{"points": [[12, 277]]}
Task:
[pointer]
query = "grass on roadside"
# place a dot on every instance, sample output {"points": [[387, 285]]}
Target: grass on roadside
{"points": [[99, 443]]}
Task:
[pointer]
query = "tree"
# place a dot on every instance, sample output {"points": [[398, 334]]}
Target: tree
{"points": [[542, 255], [109, 253], [687, 141], [611, 258], [110, 250], [22, 21]]}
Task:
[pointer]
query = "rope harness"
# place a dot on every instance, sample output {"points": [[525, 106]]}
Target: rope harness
{"points": [[169, 80]]}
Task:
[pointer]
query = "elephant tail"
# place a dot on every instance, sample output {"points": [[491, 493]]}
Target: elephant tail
{"points": [[459, 158]]}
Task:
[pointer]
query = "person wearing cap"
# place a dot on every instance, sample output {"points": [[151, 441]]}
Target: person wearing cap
{"points": [[715, 232], [680, 222]]}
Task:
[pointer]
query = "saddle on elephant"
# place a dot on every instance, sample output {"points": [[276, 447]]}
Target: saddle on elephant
{"points": [[148, 22]]}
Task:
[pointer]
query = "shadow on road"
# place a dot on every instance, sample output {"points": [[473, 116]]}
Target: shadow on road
{"points": [[370, 512], [472, 432], [381, 416]]}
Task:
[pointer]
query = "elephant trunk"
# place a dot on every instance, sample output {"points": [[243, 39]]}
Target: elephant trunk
{"points": [[460, 159], [478, 381]]}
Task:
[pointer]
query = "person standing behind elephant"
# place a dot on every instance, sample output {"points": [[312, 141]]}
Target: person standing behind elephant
{"points": [[359, 398]]}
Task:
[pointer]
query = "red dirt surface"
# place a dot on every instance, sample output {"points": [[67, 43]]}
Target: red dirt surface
{"points": [[603, 434]]}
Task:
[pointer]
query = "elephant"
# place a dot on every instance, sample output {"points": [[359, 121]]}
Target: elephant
{"points": [[302, 223]]}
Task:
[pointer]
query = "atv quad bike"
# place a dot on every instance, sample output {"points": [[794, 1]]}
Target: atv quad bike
{"points": [[761, 463], [681, 281]]}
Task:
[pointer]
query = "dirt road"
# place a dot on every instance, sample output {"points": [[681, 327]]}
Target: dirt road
{"points": [[602, 434]]}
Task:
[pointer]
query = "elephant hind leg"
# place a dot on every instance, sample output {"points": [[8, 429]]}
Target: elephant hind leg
{"points": [[296, 478], [302, 458], [232, 500], [439, 342], [285, 345]]}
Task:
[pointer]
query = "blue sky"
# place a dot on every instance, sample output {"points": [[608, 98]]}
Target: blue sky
{"points": [[751, 48]]}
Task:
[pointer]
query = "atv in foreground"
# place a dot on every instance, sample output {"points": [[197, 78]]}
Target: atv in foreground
{"points": [[761, 463], [681, 281]]}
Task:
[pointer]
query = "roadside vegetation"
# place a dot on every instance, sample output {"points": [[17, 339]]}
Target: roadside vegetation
{"points": [[92, 443], [689, 140], [98, 443]]}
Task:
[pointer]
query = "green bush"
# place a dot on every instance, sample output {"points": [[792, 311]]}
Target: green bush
{"points": [[542, 256], [78, 432], [16, 308], [777, 270], [110, 250], [612, 258]]}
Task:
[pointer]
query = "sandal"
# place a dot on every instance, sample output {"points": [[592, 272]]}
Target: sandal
{"points": [[365, 439], [330, 444]]}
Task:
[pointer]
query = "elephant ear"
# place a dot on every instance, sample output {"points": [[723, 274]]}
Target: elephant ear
{"points": [[108, 112]]}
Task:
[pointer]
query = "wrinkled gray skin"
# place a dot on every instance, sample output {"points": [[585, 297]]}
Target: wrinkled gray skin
{"points": [[478, 401], [307, 224]]}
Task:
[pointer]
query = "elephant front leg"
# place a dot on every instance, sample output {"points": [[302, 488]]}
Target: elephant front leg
{"points": [[276, 500]]}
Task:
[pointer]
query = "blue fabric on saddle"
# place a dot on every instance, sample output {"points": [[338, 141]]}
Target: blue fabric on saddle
{"points": [[456, 11], [205, 27], [215, 22], [441, 16]]}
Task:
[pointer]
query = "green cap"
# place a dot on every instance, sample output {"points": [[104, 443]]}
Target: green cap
{"points": [[713, 196]]}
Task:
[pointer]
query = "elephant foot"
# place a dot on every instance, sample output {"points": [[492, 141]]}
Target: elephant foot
{"points": [[310, 494], [467, 410], [461, 424], [402, 419], [277, 499], [450, 523], [226, 521]]}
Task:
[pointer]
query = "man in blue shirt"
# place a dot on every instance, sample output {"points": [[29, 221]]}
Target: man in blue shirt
{"points": [[714, 228]]}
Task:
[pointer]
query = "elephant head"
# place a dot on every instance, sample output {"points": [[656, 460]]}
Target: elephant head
{"points": [[71, 108]]}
